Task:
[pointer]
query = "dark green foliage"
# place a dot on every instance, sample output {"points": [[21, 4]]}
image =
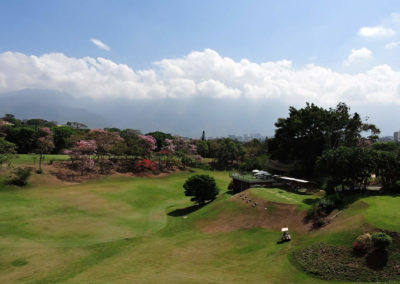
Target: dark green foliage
{"points": [[20, 176], [350, 167], [381, 240], [160, 138], [254, 162], [23, 137], [7, 150], [310, 131], [228, 152], [131, 140], [202, 187], [62, 135], [202, 148], [203, 136], [39, 122], [390, 146], [388, 170]]}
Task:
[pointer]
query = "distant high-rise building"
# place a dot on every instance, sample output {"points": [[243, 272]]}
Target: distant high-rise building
{"points": [[396, 136]]}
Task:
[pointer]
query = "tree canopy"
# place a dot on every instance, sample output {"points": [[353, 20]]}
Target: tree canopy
{"points": [[202, 188], [308, 132]]}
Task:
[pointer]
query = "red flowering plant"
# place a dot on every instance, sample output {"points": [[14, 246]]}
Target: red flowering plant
{"points": [[146, 165]]}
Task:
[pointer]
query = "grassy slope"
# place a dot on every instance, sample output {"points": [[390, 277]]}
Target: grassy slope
{"points": [[30, 158], [117, 230]]}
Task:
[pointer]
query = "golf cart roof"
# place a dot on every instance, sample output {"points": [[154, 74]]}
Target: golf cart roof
{"points": [[284, 229]]}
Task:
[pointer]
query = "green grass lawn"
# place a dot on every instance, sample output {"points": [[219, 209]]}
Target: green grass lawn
{"points": [[32, 158], [283, 196], [117, 230]]}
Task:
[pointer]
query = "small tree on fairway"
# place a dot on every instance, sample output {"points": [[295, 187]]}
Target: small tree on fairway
{"points": [[201, 187], [44, 144]]}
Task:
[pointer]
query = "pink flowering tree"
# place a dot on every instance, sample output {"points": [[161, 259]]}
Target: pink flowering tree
{"points": [[44, 143], [81, 154], [167, 151], [106, 143], [148, 144], [185, 149]]}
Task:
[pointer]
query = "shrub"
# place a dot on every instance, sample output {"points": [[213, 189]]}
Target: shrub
{"points": [[201, 187], [145, 164], [359, 247], [20, 176], [381, 240]]}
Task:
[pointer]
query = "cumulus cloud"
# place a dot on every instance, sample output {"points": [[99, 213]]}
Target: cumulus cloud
{"points": [[392, 45], [199, 74], [377, 31], [358, 55], [100, 44]]}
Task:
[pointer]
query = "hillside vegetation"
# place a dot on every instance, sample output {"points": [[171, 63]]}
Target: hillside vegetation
{"points": [[123, 229]]}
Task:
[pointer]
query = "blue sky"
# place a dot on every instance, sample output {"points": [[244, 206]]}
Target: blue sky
{"points": [[288, 52], [141, 32]]}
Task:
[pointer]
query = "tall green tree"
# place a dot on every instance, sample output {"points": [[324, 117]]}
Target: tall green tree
{"points": [[23, 137], [203, 136], [349, 167], [62, 135], [308, 132]]}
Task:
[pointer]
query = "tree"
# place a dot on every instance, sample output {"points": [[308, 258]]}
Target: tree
{"points": [[132, 141], [106, 142], [81, 155], [44, 143], [202, 188], [203, 136], [202, 148], [160, 138], [349, 167], [39, 122], [148, 144], [308, 132], [62, 135], [23, 137], [228, 151], [11, 118], [7, 150]]}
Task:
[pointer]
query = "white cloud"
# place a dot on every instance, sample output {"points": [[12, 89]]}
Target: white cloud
{"points": [[358, 55], [100, 44], [377, 31], [202, 74], [392, 45]]}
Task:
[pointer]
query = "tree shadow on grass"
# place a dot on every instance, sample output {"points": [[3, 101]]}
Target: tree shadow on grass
{"points": [[185, 211]]}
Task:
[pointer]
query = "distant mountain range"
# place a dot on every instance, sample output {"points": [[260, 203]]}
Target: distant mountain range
{"points": [[50, 105], [218, 117], [186, 117]]}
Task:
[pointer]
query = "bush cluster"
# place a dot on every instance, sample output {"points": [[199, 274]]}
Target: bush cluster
{"points": [[381, 240], [20, 176]]}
